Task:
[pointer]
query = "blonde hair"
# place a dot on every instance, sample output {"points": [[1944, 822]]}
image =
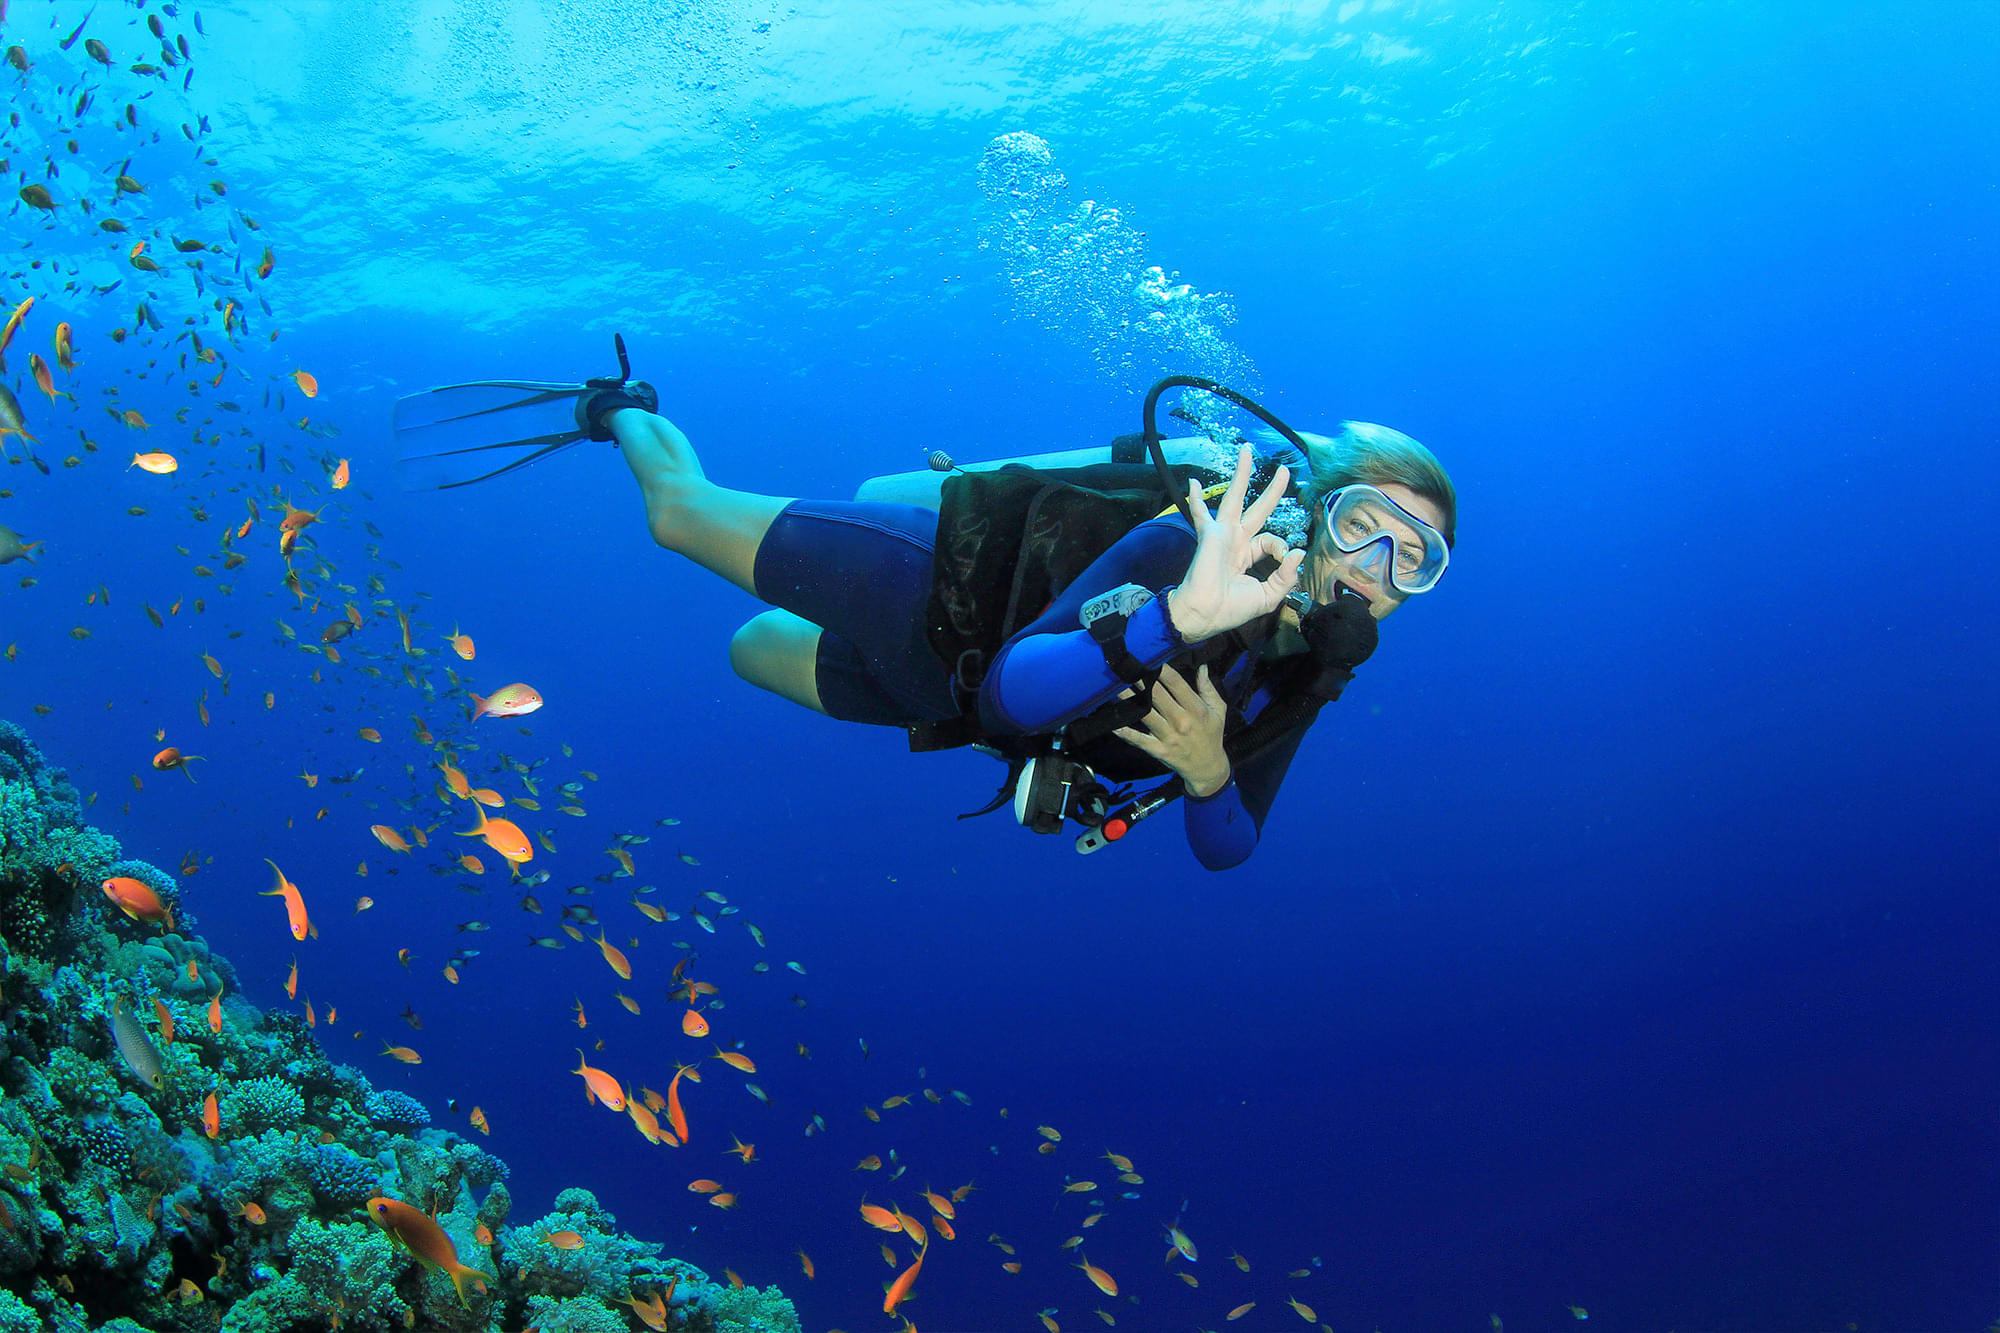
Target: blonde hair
{"points": [[1374, 455]]}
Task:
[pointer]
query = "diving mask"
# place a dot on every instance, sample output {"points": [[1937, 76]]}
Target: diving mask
{"points": [[1387, 542]]}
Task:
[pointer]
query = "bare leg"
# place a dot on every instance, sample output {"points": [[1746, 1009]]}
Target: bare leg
{"points": [[718, 529], [777, 651]]}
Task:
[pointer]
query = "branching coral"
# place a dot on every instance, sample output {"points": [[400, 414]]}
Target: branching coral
{"points": [[262, 1103], [344, 1268], [605, 1265], [397, 1110], [341, 1179]]}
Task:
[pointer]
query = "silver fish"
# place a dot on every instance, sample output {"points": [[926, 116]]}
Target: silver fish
{"points": [[136, 1047]]}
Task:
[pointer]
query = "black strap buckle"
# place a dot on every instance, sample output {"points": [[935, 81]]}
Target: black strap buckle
{"points": [[1108, 632]]}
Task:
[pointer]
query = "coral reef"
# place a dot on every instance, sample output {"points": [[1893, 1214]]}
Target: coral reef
{"points": [[118, 1211], [396, 1110]]}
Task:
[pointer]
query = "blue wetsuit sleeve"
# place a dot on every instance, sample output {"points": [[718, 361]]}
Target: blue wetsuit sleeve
{"points": [[1223, 829], [1053, 672]]}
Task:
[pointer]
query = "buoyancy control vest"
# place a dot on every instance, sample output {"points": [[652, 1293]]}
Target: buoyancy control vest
{"points": [[1008, 542]]}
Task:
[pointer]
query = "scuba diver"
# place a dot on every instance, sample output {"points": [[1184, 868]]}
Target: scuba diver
{"points": [[1117, 654]]}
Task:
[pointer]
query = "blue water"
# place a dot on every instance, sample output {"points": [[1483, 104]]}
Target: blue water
{"points": [[1624, 938]]}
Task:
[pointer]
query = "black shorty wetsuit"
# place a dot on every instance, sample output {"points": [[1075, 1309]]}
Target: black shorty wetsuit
{"points": [[861, 571]]}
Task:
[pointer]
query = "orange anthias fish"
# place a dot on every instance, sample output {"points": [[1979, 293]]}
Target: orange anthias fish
{"points": [[307, 384], [649, 1124], [563, 1240], [211, 1117], [43, 379], [503, 836], [424, 1238], [478, 1119], [613, 956], [403, 1054], [170, 758], [599, 1086], [457, 781], [653, 1313], [676, 1118], [296, 519], [880, 1218], [136, 900], [693, 1024], [736, 1060], [157, 463], [292, 980], [389, 838], [340, 476], [899, 1290], [166, 1018], [1102, 1280], [215, 1012], [462, 645], [65, 347], [911, 1226], [507, 701], [295, 904], [13, 326]]}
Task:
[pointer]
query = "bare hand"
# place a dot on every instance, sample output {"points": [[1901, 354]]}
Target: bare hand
{"points": [[1218, 592], [1184, 730]]}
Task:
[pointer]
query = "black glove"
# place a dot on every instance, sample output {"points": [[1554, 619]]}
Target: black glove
{"points": [[608, 395], [1341, 636]]}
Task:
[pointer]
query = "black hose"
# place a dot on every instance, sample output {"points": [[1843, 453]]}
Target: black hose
{"points": [[1148, 416]]}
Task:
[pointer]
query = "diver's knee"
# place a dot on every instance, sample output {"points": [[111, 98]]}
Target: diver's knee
{"points": [[755, 648], [779, 652]]}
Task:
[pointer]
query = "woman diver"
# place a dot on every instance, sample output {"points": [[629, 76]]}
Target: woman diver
{"points": [[1043, 614], [850, 584]]}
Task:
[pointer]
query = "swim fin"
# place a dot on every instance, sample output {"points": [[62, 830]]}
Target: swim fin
{"points": [[457, 434]]}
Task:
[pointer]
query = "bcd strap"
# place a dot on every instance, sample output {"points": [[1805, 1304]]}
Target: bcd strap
{"points": [[1108, 632], [1096, 725]]}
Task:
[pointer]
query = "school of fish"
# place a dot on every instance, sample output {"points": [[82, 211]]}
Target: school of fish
{"points": [[158, 317]]}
